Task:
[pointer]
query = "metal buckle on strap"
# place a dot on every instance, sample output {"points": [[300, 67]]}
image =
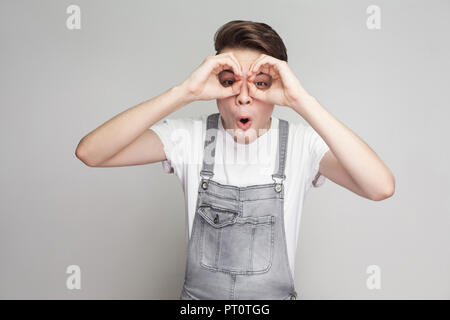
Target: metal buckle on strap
{"points": [[205, 179], [278, 184]]}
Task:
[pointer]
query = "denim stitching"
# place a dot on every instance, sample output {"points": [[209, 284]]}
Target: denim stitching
{"points": [[218, 247], [248, 224], [278, 195], [286, 262], [201, 240], [250, 187], [228, 270], [205, 216], [232, 286], [250, 257]]}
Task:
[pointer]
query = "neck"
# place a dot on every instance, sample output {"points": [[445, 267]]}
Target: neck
{"points": [[269, 123], [259, 133]]}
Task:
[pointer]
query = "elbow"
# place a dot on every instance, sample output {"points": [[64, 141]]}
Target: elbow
{"points": [[81, 154], [386, 192], [382, 196]]}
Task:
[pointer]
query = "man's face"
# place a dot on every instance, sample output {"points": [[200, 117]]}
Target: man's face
{"points": [[235, 108]]}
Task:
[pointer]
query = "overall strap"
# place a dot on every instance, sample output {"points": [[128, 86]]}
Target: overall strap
{"points": [[209, 150], [283, 133], [212, 124]]}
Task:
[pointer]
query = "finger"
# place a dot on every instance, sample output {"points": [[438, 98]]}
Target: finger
{"points": [[237, 63], [236, 87], [256, 65], [235, 67], [231, 91], [268, 66], [226, 62], [263, 68], [249, 72], [251, 89], [266, 61], [254, 92], [257, 68], [273, 73], [222, 64]]}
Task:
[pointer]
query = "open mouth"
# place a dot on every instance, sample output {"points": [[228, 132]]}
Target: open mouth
{"points": [[244, 123]]}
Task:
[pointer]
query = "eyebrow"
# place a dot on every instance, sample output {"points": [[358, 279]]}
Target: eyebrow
{"points": [[231, 71], [227, 70]]}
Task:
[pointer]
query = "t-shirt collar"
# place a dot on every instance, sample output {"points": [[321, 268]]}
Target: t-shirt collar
{"points": [[261, 137]]}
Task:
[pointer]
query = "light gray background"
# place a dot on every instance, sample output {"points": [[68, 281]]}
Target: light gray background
{"points": [[125, 227]]}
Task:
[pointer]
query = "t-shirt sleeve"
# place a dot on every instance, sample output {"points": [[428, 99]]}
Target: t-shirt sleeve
{"points": [[175, 135], [317, 148]]}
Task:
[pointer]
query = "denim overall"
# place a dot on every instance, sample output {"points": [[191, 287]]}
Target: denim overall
{"points": [[237, 248]]}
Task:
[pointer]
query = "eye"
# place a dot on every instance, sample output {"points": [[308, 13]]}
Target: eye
{"points": [[226, 78], [263, 81], [227, 83]]}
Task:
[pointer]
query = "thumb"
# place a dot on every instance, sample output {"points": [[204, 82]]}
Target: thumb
{"points": [[232, 90], [236, 87], [253, 91]]}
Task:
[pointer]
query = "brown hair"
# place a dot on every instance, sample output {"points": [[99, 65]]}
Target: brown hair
{"points": [[249, 34]]}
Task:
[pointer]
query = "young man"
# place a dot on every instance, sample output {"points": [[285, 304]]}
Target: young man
{"points": [[244, 172]]}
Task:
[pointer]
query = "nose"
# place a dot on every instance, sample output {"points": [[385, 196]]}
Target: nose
{"points": [[243, 97]]}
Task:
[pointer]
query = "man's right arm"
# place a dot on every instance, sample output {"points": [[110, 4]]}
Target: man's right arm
{"points": [[126, 138]]}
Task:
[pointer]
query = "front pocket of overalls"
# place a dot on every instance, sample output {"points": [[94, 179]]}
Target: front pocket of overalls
{"points": [[239, 245]]}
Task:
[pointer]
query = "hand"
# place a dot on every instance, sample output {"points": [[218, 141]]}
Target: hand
{"points": [[205, 84], [282, 86]]}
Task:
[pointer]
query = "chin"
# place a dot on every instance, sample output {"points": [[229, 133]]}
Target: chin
{"points": [[245, 136]]}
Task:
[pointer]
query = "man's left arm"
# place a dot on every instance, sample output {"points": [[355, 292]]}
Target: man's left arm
{"points": [[350, 162]]}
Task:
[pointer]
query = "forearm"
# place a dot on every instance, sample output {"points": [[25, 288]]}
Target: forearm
{"points": [[359, 160], [115, 134]]}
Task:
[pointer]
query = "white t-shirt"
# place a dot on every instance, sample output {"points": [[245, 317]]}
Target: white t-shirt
{"points": [[245, 164]]}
